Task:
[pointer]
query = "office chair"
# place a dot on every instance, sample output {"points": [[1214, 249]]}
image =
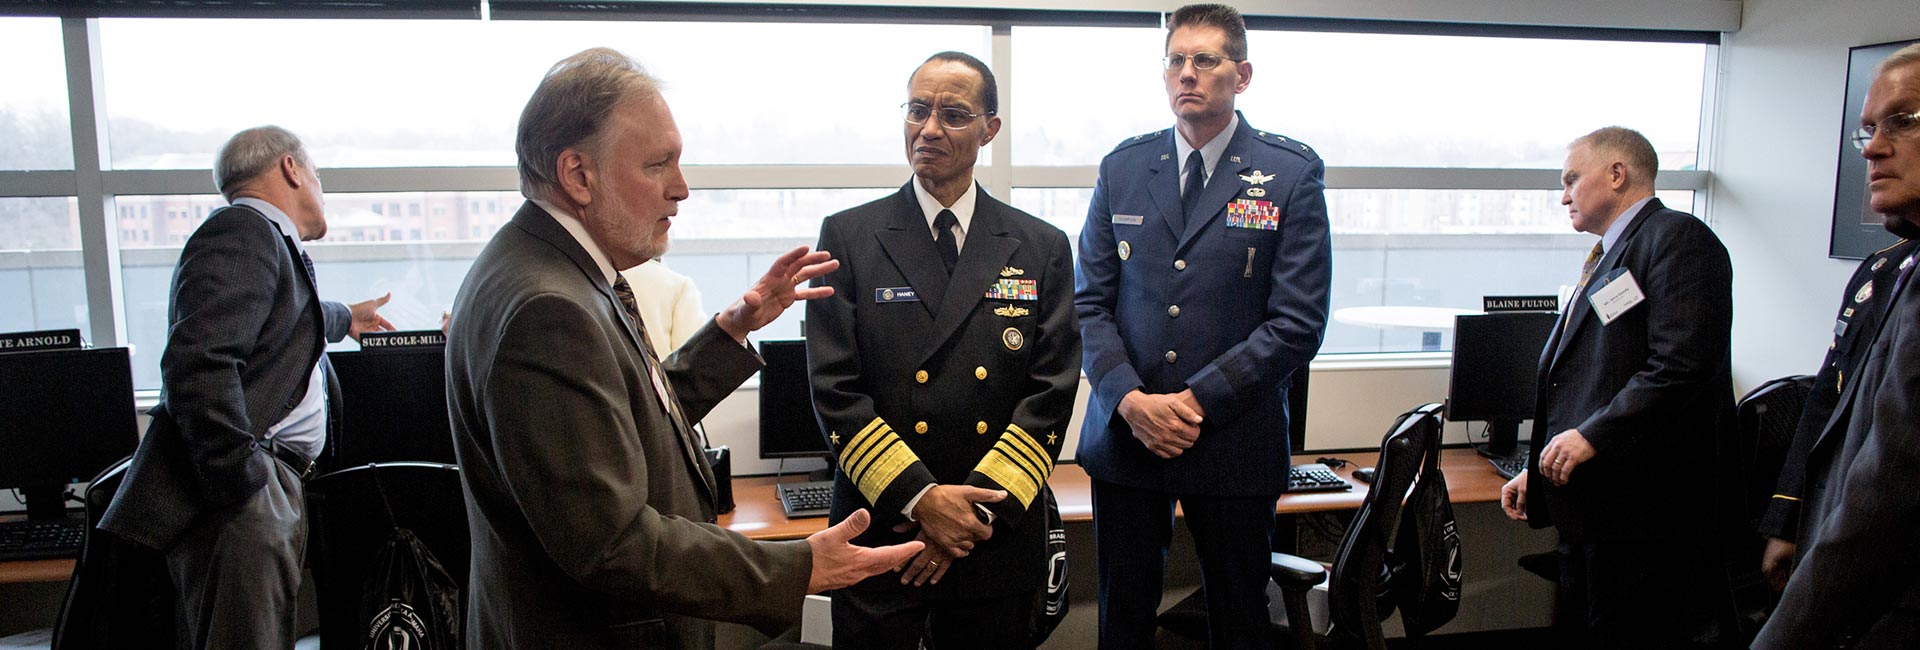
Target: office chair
{"points": [[1360, 597], [348, 512], [1765, 422], [120, 595]]}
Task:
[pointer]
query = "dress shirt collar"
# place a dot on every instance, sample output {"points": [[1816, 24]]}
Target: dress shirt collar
{"points": [[962, 208], [580, 234], [1620, 224], [278, 217], [1209, 153]]}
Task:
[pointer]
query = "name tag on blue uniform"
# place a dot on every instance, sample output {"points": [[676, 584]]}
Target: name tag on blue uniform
{"points": [[895, 294], [1129, 219]]}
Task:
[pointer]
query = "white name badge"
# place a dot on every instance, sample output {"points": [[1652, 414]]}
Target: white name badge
{"points": [[1618, 296], [1129, 219]]}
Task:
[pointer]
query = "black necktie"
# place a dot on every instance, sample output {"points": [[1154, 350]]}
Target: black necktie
{"points": [[943, 224], [1196, 180], [308, 262]]}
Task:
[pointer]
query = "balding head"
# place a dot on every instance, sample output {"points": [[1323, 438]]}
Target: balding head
{"points": [[570, 110]]}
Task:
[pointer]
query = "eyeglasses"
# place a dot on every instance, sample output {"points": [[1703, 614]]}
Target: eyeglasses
{"points": [[951, 118], [1201, 61], [1895, 125]]}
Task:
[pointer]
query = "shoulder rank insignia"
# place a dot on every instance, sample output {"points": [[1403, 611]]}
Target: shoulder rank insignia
{"points": [[1011, 311], [1008, 272], [1256, 178]]}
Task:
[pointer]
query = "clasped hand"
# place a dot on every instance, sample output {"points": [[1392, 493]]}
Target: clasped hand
{"points": [[1167, 424], [950, 525]]}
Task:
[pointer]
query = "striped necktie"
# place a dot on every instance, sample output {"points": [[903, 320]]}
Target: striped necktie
{"points": [[624, 292], [1586, 273]]}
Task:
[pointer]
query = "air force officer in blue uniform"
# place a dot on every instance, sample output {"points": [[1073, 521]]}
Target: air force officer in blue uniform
{"points": [[1204, 269]]}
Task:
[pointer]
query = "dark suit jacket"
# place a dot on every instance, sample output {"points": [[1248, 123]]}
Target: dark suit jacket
{"points": [[1652, 391], [591, 511], [1859, 571], [1251, 299], [992, 379], [1862, 305], [246, 328]]}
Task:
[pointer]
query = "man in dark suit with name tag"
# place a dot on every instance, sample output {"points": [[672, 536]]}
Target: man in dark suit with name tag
{"points": [[1858, 583], [1204, 271], [944, 369], [591, 505], [247, 402], [1635, 388]]}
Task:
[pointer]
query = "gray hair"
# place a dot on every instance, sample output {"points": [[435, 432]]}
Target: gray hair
{"points": [[570, 110], [1632, 147], [253, 152], [1904, 56]]}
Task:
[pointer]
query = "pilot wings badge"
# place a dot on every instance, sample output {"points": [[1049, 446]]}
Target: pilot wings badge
{"points": [[1256, 178]]}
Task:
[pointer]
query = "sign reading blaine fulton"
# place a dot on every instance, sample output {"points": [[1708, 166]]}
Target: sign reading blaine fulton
{"points": [[1500, 304]]}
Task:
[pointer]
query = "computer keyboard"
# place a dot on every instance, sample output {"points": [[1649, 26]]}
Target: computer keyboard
{"points": [[810, 499], [1314, 477], [41, 539], [1509, 466]]}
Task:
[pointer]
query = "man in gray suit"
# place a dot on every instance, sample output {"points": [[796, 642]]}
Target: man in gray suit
{"points": [[590, 503], [247, 402], [1858, 586]]}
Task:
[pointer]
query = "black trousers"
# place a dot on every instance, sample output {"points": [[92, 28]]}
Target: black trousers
{"points": [[1132, 530], [1640, 595], [882, 614], [237, 571]]}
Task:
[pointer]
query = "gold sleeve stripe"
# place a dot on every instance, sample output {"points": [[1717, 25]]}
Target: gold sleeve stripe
{"points": [[1032, 447], [1018, 480], [877, 423], [879, 474], [1782, 496], [1019, 460], [865, 447]]}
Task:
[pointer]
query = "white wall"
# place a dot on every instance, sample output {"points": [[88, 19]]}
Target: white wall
{"points": [[1781, 80]]}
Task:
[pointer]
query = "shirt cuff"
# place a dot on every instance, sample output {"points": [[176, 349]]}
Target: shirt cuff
{"points": [[908, 511]]}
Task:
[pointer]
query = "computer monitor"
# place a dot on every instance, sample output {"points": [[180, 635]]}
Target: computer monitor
{"points": [[788, 428], [393, 406], [1297, 412], [1496, 361], [64, 416]]}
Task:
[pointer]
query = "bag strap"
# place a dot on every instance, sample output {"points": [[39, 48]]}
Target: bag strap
{"points": [[385, 504]]}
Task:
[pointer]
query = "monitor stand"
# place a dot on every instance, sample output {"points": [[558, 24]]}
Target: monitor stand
{"points": [[45, 502], [1503, 439]]}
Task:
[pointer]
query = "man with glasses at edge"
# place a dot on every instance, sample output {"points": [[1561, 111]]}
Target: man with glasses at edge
{"points": [[1196, 306], [1858, 583], [944, 368]]}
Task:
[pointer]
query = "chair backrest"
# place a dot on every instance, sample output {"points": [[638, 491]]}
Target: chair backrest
{"points": [[120, 595], [1767, 418], [1358, 594], [348, 514]]}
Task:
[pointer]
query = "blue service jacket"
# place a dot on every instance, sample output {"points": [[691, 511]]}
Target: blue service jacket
{"points": [[1229, 306]]}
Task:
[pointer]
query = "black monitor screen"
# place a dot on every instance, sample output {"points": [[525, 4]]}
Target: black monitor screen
{"points": [[64, 415], [788, 428], [1496, 361], [393, 406], [1297, 411]]}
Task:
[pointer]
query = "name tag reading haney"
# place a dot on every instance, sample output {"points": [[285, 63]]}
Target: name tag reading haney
{"points": [[1616, 297], [895, 294], [1128, 219]]}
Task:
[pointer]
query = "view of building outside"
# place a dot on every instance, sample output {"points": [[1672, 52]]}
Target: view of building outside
{"points": [[416, 95]]}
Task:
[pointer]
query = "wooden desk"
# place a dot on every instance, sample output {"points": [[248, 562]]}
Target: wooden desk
{"points": [[757, 512]]}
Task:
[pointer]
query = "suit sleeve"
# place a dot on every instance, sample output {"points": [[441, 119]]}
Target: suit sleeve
{"points": [[1296, 307], [707, 368], [1688, 282], [1022, 459], [337, 318], [570, 450], [1096, 300], [881, 465], [222, 294]]}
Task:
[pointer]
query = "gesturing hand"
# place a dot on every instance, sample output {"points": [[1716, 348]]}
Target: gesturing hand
{"points": [[367, 318], [838, 563], [776, 291]]}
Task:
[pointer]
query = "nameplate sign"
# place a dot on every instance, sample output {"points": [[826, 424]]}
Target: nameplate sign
{"points": [[407, 340], [40, 341], [1510, 304]]}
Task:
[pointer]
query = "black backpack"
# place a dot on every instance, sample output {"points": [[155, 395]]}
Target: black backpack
{"points": [[1424, 564]]}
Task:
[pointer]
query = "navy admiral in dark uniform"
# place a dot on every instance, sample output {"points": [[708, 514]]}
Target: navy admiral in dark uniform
{"points": [[1197, 305], [944, 369], [1865, 300]]}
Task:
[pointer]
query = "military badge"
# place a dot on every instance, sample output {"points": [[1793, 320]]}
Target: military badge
{"points": [[1008, 272], [1256, 215], [1256, 178], [1256, 192], [1879, 263], [1906, 263], [1126, 250], [1865, 293], [885, 295], [1013, 338], [1011, 289], [1011, 311]]}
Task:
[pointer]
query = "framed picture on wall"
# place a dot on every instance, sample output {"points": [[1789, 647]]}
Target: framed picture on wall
{"points": [[1857, 232]]}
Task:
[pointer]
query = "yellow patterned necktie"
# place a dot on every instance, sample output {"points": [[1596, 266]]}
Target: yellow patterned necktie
{"points": [[1586, 273]]}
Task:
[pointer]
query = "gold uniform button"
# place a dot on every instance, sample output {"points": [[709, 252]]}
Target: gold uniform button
{"points": [[1173, 311], [980, 373], [1179, 265], [920, 376], [1171, 356], [919, 427], [980, 428]]}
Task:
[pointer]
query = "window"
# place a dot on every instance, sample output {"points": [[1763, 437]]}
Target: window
{"points": [[40, 279], [35, 129]]}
